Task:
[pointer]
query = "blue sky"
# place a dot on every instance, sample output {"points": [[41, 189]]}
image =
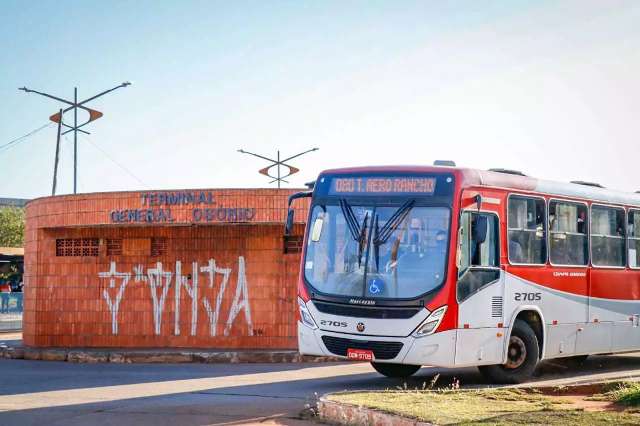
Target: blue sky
{"points": [[550, 88]]}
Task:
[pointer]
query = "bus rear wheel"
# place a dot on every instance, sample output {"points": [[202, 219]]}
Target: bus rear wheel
{"points": [[522, 357], [395, 370]]}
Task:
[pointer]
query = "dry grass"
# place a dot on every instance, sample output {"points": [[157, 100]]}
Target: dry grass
{"points": [[486, 407]]}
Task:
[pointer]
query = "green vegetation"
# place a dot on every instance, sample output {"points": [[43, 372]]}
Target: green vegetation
{"points": [[11, 227], [498, 406], [625, 393]]}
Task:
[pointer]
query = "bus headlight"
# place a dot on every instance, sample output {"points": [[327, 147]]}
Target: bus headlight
{"points": [[431, 323], [305, 316]]}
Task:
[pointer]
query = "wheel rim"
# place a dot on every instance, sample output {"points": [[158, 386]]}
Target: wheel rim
{"points": [[517, 352]]}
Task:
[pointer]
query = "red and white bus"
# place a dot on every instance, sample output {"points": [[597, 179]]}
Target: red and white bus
{"points": [[451, 267]]}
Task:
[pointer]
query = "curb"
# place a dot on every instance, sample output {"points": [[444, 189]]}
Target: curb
{"points": [[348, 414], [118, 356]]}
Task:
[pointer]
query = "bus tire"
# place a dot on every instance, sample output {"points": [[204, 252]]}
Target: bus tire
{"points": [[395, 370], [523, 354]]}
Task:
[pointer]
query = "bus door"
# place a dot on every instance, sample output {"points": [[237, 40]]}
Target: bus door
{"points": [[479, 289]]}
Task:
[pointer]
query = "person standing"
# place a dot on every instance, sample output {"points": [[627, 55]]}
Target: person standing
{"points": [[5, 291]]}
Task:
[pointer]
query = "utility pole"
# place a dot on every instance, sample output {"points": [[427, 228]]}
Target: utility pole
{"points": [[277, 163], [57, 118], [55, 161]]}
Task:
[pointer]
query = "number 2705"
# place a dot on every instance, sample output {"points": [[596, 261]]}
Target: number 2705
{"points": [[527, 296]]}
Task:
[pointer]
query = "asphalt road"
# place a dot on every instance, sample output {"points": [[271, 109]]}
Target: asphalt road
{"points": [[59, 393]]}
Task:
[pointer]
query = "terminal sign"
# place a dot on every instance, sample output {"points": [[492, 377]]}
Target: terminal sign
{"points": [[156, 208], [383, 185]]}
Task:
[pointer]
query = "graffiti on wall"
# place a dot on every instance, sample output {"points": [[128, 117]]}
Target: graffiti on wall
{"points": [[159, 281]]}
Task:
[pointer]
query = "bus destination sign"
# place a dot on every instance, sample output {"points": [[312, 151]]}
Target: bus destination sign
{"points": [[383, 185]]}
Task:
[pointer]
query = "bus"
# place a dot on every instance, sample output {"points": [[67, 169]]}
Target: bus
{"points": [[407, 266]]}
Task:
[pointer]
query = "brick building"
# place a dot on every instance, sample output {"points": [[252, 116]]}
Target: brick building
{"points": [[189, 269]]}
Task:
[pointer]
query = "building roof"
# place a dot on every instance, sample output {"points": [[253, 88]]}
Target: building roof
{"points": [[164, 208]]}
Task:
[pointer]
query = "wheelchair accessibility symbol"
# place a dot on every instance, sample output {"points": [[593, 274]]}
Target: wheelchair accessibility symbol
{"points": [[376, 286]]}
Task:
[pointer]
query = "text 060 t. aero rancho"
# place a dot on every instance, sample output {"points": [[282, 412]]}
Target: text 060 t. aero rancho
{"points": [[444, 266]]}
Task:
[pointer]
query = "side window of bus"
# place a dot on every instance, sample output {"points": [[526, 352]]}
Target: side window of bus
{"points": [[607, 236], [633, 232], [568, 229], [478, 251], [527, 230]]}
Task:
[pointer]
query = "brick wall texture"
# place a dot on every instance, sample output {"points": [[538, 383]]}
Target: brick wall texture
{"points": [[184, 269]]}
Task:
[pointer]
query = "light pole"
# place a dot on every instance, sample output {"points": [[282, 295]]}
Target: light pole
{"points": [[277, 163], [57, 118]]}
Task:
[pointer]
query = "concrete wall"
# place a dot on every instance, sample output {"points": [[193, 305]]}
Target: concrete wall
{"points": [[93, 281]]}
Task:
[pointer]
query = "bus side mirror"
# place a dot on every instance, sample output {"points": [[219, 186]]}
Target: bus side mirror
{"points": [[288, 226]]}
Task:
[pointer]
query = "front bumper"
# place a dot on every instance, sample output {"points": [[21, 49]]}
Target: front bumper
{"points": [[436, 350]]}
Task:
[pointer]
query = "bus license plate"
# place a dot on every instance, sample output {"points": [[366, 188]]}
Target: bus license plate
{"points": [[360, 354]]}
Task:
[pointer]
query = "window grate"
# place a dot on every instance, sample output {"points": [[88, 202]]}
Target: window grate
{"points": [[293, 243], [114, 247], [77, 247], [158, 246]]}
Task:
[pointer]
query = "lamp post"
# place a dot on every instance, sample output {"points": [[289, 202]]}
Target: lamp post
{"points": [[57, 118], [277, 163]]}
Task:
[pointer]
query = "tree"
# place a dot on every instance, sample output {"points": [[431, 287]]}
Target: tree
{"points": [[11, 227]]}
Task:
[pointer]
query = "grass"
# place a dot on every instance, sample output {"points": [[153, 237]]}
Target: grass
{"points": [[495, 406], [624, 393]]}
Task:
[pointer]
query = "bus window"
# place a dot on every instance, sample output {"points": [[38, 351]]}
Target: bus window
{"points": [[607, 236], [633, 231], [527, 231], [568, 244], [479, 253]]}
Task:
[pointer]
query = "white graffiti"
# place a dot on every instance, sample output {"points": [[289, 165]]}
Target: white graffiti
{"points": [[138, 273], [114, 305], [214, 314], [160, 281], [240, 301], [192, 291], [156, 277]]}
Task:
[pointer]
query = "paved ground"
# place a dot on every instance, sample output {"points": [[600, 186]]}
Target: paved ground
{"points": [[60, 393]]}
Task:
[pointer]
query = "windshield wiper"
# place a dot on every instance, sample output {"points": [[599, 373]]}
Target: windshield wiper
{"points": [[350, 218], [357, 232], [383, 234]]}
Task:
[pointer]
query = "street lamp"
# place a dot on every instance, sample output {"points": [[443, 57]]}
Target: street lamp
{"points": [[57, 118], [277, 163]]}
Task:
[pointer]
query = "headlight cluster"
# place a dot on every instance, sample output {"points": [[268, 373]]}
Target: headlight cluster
{"points": [[431, 323], [305, 316]]}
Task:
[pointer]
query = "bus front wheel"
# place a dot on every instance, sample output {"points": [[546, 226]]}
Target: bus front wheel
{"points": [[522, 357], [395, 370]]}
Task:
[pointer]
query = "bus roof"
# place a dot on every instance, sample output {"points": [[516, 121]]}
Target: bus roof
{"points": [[475, 177]]}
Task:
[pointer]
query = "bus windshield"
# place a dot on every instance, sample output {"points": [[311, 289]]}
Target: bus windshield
{"points": [[376, 252]]}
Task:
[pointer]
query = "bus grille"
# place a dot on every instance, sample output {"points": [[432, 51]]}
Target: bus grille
{"points": [[496, 307], [381, 350], [365, 312]]}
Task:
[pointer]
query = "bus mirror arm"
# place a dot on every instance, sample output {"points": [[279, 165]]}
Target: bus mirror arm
{"points": [[459, 249], [288, 226]]}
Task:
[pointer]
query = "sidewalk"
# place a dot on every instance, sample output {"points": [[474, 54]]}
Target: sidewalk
{"points": [[10, 322], [11, 348]]}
